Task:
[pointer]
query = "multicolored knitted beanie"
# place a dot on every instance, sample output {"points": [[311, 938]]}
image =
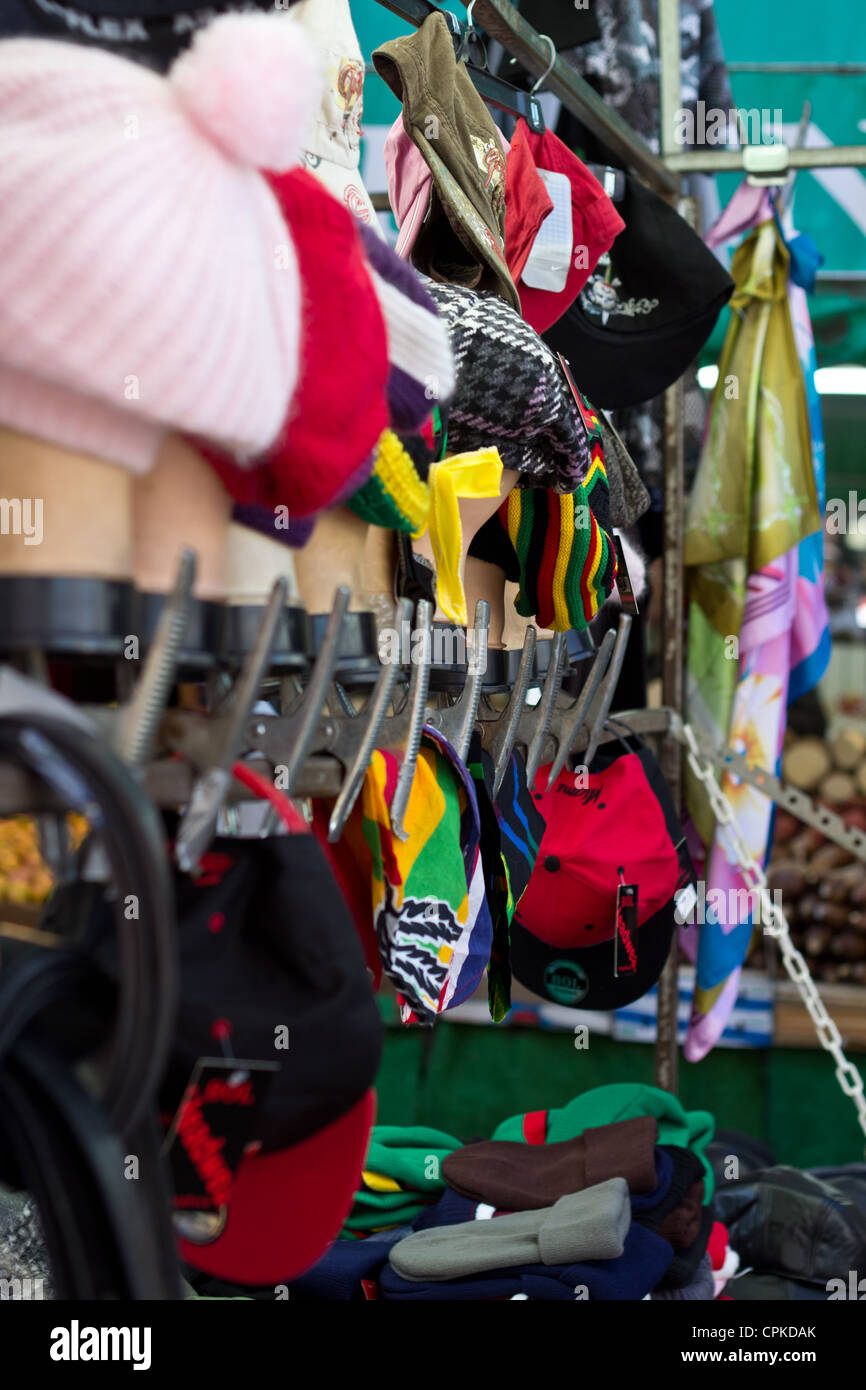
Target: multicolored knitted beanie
{"points": [[396, 494], [567, 560], [558, 548]]}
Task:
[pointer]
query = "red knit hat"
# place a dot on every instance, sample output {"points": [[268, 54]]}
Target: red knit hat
{"points": [[324, 450]]}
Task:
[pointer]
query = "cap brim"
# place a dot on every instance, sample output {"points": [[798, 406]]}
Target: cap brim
{"points": [[287, 1207], [411, 224], [347, 187], [584, 978]]}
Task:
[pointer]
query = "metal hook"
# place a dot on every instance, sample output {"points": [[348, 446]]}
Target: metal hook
{"points": [[550, 690], [317, 690], [787, 192], [577, 715], [458, 721], [549, 69], [465, 31], [471, 697], [373, 717], [140, 720], [341, 703], [508, 724], [199, 820], [610, 684], [418, 690]]}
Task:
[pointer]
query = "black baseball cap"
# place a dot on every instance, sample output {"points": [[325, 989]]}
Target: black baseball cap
{"points": [[640, 321], [271, 970]]}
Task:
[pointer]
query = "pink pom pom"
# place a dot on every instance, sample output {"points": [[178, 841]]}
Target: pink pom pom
{"points": [[252, 83]]}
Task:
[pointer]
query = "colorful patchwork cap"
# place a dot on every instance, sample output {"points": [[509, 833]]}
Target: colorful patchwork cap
{"points": [[430, 915]]}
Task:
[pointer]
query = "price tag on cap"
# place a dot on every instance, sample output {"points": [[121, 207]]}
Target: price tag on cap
{"points": [[625, 932], [205, 1143]]}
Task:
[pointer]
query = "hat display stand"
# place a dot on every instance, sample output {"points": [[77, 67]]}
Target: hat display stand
{"points": [[482, 582], [334, 556], [202, 640], [65, 573], [474, 575], [179, 503], [253, 564]]}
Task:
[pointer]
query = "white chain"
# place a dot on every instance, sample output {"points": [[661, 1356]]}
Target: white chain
{"points": [[775, 925]]}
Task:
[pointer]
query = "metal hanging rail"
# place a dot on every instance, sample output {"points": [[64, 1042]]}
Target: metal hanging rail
{"points": [[711, 161], [503, 22]]}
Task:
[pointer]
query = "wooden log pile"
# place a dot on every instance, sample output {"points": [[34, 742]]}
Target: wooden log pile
{"points": [[822, 885]]}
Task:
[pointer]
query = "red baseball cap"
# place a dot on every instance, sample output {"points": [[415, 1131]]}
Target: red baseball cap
{"points": [[595, 221], [593, 831], [614, 824], [287, 1207], [527, 201]]}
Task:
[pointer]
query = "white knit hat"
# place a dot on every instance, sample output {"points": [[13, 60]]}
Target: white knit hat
{"points": [[147, 277]]}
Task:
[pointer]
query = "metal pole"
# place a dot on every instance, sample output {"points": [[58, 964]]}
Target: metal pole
{"points": [[670, 90], [666, 1061], [666, 1047], [782, 69], [726, 161], [503, 22]]}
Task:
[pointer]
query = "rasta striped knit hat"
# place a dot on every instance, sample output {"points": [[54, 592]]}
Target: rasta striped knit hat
{"points": [[558, 548], [566, 559]]}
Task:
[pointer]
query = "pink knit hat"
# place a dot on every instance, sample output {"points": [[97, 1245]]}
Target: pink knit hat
{"points": [[147, 278]]}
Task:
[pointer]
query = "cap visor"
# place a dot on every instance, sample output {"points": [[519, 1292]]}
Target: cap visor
{"points": [[287, 1207], [347, 188], [584, 979]]}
